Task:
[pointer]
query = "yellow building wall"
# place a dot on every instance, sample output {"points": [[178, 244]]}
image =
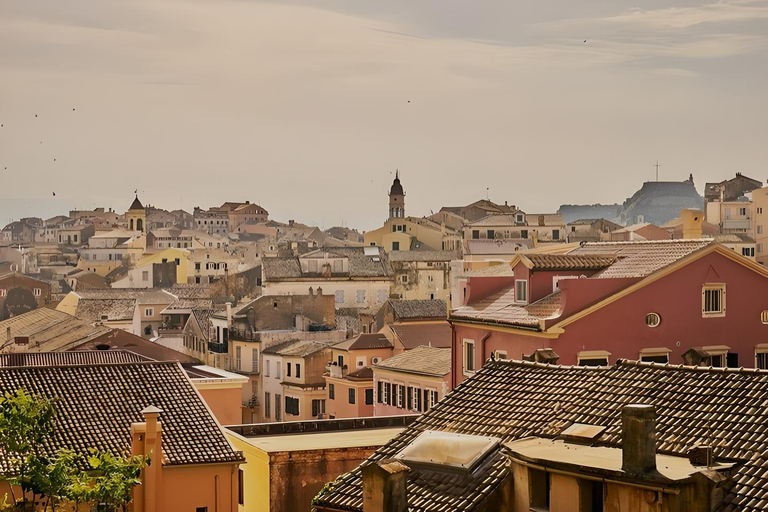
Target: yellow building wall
{"points": [[255, 475], [69, 304], [182, 270], [426, 234], [101, 268]]}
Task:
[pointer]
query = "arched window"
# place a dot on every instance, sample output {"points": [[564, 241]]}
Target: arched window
{"points": [[139, 225], [131, 225]]}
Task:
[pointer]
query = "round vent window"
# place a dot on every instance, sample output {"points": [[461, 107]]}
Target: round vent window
{"points": [[652, 319]]}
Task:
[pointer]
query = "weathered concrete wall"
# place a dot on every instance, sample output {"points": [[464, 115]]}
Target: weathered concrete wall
{"points": [[297, 477]]}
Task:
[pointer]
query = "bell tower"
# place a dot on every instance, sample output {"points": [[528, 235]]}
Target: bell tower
{"points": [[396, 199], [136, 217]]}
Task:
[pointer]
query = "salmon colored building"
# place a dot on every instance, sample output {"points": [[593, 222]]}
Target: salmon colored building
{"points": [[138, 408], [676, 301], [412, 382], [349, 378]]}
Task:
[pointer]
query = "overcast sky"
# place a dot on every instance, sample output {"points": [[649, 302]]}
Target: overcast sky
{"points": [[304, 106]]}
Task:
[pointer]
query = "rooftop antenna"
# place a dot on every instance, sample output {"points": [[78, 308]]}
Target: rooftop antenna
{"points": [[487, 193], [657, 165]]}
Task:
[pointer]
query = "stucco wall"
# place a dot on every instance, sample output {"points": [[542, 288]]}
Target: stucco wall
{"points": [[225, 404]]}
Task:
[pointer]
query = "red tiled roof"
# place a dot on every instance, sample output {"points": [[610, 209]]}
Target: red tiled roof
{"points": [[639, 259], [432, 334], [365, 341], [570, 261], [502, 308], [512, 400]]}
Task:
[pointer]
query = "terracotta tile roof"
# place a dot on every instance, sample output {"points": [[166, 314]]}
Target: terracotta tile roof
{"points": [[360, 264], [639, 259], [92, 310], [415, 334], [570, 261], [505, 219], [500, 270], [425, 255], [364, 342], [297, 348], [51, 330], [74, 357], [364, 373], [414, 309], [502, 308], [508, 246], [423, 360], [96, 405], [512, 400]]}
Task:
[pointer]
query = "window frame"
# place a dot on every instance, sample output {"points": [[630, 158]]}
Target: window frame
{"points": [[465, 343], [589, 355], [518, 300], [760, 349], [654, 352], [721, 287]]}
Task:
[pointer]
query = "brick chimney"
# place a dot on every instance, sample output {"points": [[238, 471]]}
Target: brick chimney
{"points": [[146, 440], [385, 486], [638, 438]]}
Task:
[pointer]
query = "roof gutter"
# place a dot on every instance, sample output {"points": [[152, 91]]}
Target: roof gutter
{"points": [[479, 322]]}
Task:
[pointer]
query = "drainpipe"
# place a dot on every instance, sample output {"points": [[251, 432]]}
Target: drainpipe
{"points": [[482, 344]]}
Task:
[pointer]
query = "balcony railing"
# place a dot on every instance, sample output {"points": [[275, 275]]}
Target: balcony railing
{"points": [[243, 335], [217, 348], [740, 224]]}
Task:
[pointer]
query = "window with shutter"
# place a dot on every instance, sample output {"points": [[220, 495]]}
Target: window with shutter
{"points": [[331, 392], [369, 396], [388, 393], [417, 399], [379, 392], [351, 395], [410, 398], [255, 360], [713, 300], [401, 399]]}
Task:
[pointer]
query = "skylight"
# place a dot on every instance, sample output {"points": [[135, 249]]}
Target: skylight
{"points": [[447, 451]]}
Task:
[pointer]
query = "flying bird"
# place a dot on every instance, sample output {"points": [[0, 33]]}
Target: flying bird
{"points": [[54, 193], [585, 40], [35, 115], [54, 159]]}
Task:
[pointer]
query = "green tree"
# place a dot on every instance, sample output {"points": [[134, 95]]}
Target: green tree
{"points": [[27, 423], [113, 479]]}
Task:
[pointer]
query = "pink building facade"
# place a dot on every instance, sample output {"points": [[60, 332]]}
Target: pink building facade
{"points": [[709, 306]]}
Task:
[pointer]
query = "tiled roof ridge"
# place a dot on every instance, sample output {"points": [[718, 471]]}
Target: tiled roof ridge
{"points": [[91, 365], [629, 363], [648, 242]]}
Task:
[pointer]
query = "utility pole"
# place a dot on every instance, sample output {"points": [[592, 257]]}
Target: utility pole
{"points": [[657, 170]]}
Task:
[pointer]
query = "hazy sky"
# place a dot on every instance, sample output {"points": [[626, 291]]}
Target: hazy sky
{"points": [[303, 106]]}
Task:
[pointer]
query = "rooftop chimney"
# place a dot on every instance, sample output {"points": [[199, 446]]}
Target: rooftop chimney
{"points": [[229, 315], [385, 486], [692, 223], [638, 443]]}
